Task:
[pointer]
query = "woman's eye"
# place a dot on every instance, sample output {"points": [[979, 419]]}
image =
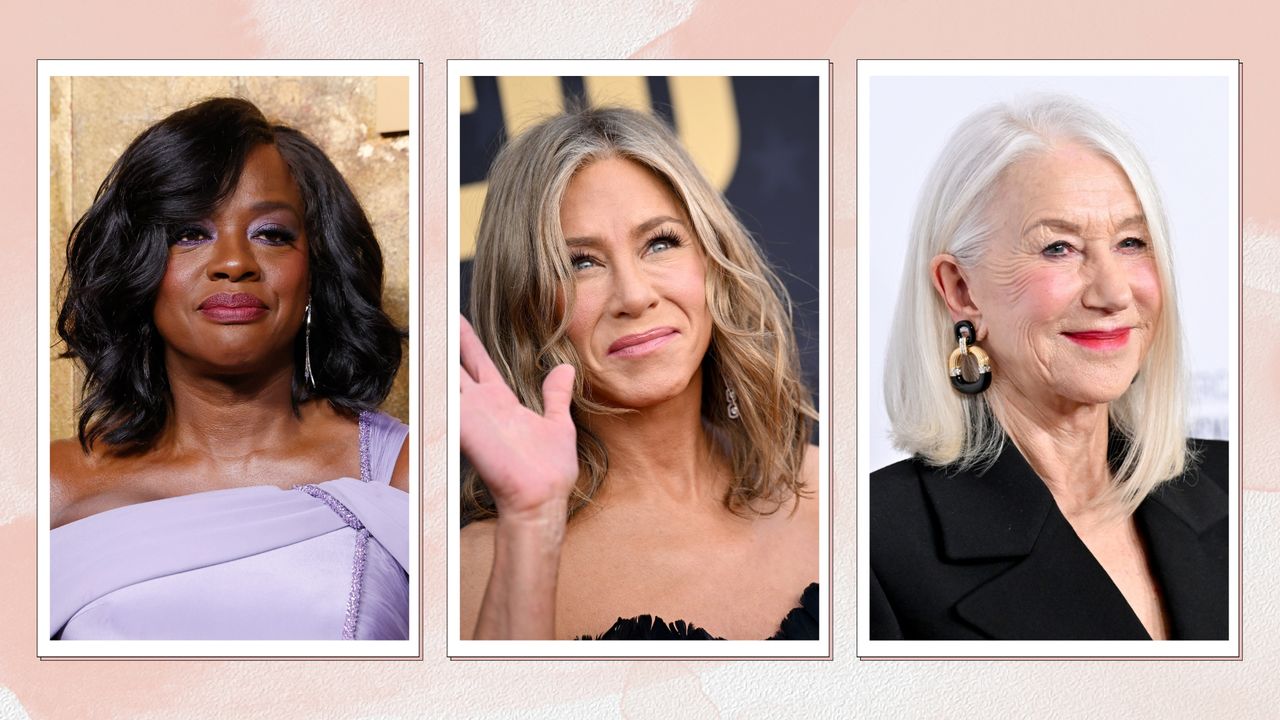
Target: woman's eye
{"points": [[1058, 249], [275, 235], [190, 236], [1133, 244], [663, 243], [582, 262]]}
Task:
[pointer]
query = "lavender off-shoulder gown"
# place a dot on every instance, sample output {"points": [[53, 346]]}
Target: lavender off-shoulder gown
{"points": [[319, 562]]}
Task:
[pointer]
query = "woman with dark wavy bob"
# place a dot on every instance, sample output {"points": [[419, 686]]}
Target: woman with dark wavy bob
{"points": [[231, 476]]}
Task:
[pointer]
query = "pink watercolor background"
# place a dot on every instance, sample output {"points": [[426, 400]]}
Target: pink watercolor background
{"points": [[841, 30]]}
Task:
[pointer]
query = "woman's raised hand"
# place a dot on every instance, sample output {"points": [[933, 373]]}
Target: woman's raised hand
{"points": [[529, 462]]}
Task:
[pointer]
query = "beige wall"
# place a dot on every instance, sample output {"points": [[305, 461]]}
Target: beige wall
{"points": [[92, 121]]}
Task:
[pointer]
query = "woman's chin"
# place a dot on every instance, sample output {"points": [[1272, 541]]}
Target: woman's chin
{"points": [[238, 368], [642, 398], [1097, 391]]}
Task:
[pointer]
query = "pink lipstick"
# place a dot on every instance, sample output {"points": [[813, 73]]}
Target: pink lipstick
{"points": [[642, 343], [1100, 339], [232, 308]]}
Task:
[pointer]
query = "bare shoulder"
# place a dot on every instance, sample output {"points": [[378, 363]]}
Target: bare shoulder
{"points": [[66, 461], [808, 506], [798, 516], [475, 560], [400, 475], [70, 472], [809, 470]]}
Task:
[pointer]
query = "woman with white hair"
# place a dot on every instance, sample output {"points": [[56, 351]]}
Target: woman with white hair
{"points": [[1035, 375]]}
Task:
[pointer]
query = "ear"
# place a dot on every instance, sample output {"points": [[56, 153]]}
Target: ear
{"points": [[951, 282]]}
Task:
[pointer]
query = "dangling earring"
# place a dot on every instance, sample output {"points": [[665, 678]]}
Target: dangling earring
{"points": [[731, 401], [965, 334], [306, 350]]}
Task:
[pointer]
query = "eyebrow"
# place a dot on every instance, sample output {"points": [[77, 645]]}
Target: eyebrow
{"points": [[1063, 225], [269, 205], [640, 229]]}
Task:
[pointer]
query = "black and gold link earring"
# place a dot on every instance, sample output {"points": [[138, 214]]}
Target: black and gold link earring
{"points": [[966, 335]]}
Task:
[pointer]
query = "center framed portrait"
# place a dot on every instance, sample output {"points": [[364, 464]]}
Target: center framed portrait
{"points": [[639, 333]]}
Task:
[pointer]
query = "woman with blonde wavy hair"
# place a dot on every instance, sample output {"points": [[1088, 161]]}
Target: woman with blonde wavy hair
{"points": [[632, 403], [1036, 376]]}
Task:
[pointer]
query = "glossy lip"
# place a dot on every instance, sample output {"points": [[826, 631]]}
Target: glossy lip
{"points": [[642, 343], [1100, 339], [232, 308]]}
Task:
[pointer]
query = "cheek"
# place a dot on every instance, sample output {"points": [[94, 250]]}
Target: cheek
{"points": [[1144, 283], [583, 316], [172, 293], [687, 286], [1025, 298], [292, 276]]}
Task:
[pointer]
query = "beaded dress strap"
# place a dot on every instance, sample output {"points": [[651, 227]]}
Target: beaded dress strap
{"points": [[366, 420], [352, 617], [357, 565]]}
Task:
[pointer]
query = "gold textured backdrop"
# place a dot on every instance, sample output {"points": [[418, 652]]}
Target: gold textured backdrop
{"points": [[93, 120]]}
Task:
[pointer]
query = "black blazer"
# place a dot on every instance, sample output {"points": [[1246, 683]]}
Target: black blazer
{"points": [[970, 557]]}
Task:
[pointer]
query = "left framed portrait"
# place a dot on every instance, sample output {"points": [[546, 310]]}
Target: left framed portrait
{"points": [[228, 411]]}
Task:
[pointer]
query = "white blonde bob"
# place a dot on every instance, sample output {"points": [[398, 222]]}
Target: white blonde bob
{"points": [[946, 428]]}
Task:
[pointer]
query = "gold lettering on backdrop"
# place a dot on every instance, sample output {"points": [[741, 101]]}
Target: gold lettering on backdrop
{"points": [[628, 92], [707, 122], [470, 203], [471, 196], [466, 96], [525, 100], [704, 110]]}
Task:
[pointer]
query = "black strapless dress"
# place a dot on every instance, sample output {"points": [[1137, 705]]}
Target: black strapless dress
{"points": [[799, 624]]}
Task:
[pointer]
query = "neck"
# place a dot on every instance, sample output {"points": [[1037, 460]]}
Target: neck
{"points": [[1065, 443], [230, 417], [662, 453]]}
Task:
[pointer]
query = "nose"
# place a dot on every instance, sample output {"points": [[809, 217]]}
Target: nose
{"points": [[233, 259], [633, 290], [1107, 286]]}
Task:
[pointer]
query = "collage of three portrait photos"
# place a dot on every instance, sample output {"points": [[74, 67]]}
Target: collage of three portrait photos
{"points": [[559, 359]]}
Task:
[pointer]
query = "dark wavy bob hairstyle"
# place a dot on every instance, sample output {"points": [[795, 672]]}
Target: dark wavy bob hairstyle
{"points": [[177, 172]]}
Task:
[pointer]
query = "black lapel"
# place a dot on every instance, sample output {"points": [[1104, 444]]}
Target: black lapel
{"points": [[1053, 589], [1184, 524]]}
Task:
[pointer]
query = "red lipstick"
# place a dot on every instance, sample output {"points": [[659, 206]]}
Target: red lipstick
{"points": [[1100, 339], [642, 343], [232, 308]]}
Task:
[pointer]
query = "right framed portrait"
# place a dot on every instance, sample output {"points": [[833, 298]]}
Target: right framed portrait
{"points": [[1048, 358]]}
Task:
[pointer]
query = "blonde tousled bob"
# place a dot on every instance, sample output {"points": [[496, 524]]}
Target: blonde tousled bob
{"points": [[521, 274], [946, 428]]}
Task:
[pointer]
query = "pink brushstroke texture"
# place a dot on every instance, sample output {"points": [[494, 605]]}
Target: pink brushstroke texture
{"points": [[839, 30]]}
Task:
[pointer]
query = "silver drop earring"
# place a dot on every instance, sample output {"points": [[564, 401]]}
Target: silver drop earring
{"points": [[732, 402], [306, 348]]}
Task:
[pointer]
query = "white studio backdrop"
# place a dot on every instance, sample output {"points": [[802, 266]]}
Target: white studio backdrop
{"points": [[1180, 125]]}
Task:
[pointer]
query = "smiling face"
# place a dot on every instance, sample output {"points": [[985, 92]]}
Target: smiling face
{"points": [[234, 291], [639, 322], [1066, 293]]}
